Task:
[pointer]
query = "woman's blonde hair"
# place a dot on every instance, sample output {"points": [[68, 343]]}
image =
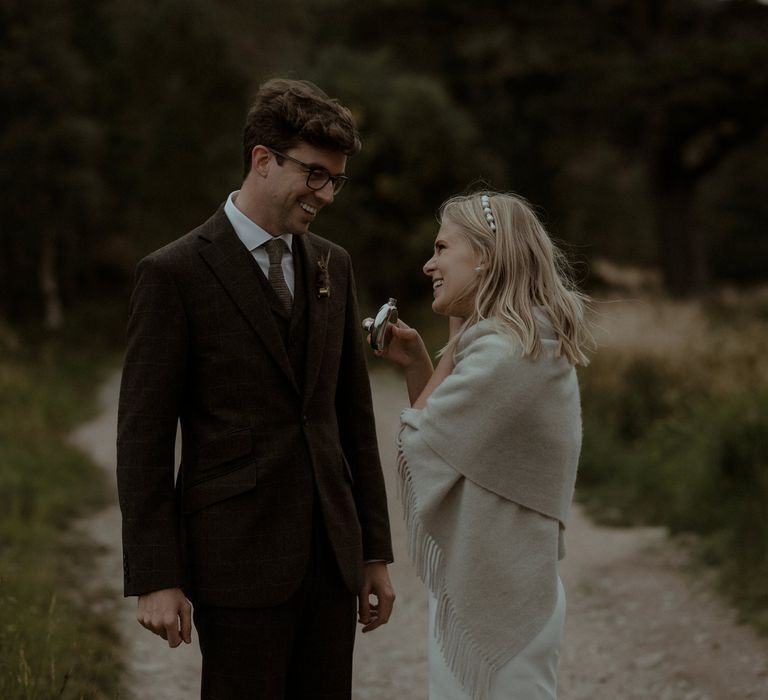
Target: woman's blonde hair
{"points": [[521, 270]]}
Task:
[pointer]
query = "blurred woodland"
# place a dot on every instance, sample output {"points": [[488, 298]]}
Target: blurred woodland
{"points": [[638, 128]]}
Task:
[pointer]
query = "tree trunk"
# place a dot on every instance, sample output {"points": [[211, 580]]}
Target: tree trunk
{"points": [[682, 247], [53, 317]]}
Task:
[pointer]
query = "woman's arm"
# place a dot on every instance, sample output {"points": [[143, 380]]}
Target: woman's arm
{"points": [[406, 348], [444, 368], [417, 376]]}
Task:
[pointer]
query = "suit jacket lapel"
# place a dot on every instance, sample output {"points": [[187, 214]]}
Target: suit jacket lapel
{"points": [[317, 311], [232, 263]]}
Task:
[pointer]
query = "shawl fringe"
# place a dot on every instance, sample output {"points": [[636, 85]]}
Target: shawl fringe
{"points": [[463, 656]]}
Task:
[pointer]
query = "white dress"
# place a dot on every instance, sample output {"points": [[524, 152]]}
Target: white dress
{"points": [[530, 675]]}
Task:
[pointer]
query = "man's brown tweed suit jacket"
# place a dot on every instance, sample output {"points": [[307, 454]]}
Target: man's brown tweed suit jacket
{"points": [[260, 447]]}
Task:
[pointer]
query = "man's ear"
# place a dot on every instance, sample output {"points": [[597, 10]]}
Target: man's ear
{"points": [[260, 160]]}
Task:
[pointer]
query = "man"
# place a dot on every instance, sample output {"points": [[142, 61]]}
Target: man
{"points": [[246, 330]]}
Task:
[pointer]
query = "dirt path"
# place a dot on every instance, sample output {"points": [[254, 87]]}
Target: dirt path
{"points": [[153, 670], [638, 627]]}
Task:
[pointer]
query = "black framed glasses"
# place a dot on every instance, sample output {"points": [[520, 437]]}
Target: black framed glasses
{"points": [[317, 178]]}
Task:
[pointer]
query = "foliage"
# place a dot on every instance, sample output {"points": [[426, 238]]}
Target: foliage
{"points": [[732, 214], [636, 127], [386, 216], [51, 643], [118, 123], [49, 145], [675, 435], [662, 93]]}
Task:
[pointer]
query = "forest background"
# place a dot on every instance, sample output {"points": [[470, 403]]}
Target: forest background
{"points": [[638, 129]]}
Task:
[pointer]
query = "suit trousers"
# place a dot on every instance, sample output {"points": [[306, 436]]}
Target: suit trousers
{"points": [[298, 650]]}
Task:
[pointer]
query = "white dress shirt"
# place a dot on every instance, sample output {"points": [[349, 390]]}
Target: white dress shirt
{"points": [[254, 237]]}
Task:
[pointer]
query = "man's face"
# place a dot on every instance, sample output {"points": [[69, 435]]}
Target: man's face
{"points": [[291, 206]]}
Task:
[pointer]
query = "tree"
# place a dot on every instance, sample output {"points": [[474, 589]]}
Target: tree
{"points": [[49, 146], [671, 86], [683, 96], [419, 147], [120, 129]]}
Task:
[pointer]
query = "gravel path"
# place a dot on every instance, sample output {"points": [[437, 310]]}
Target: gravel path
{"points": [[153, 670], [639, 627]]}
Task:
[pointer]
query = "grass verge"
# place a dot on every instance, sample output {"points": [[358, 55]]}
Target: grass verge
{"points": [[675, 408], [51, 643]]}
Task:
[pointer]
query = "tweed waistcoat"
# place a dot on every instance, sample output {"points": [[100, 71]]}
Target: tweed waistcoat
{"points": [[293, 328]]}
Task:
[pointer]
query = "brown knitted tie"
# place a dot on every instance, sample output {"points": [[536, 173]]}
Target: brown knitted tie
{"points": [[275, 249]]}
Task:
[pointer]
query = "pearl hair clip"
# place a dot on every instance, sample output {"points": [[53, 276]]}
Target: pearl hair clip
{"points": [[485, 201]]}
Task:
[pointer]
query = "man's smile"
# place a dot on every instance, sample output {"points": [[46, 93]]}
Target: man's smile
{"points": [[308, 208]]}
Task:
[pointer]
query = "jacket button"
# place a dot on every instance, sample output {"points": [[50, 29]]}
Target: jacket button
{"points": [[305, 420]]}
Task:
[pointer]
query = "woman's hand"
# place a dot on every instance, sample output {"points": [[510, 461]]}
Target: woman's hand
{"points": [[404, 347]]}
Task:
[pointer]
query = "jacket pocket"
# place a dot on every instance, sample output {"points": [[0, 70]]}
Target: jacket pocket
{"points": [[221, 455], [221, 485]]}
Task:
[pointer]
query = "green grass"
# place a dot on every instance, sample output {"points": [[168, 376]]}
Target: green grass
{"points": [[680, 438], [52, 645]]}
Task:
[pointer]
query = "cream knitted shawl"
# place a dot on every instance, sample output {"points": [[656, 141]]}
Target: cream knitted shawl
{"points": [[487, 471]]}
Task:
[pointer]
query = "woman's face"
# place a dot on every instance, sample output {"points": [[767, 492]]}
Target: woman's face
{"points": [[453, 274]]}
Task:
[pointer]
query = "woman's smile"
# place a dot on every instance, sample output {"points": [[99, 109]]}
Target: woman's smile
{"points": [[452, 270]]}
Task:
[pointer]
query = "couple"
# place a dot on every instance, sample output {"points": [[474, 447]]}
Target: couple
{"points": [[246, 331]]}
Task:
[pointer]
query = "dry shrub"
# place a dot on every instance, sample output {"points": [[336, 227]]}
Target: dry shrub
{"points": [[675, 408]]}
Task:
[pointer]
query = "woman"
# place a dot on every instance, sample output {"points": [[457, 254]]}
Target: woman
{"points": [[489, 449]]}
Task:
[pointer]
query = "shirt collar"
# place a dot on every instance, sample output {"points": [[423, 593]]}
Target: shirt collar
{"points": [[249, 232]]}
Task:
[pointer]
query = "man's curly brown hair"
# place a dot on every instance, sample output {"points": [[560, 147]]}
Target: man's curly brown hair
{"points": [[288, 112]]}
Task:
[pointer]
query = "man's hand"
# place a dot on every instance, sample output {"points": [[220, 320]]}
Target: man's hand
{"points": [[376, 583], [168, 613]]}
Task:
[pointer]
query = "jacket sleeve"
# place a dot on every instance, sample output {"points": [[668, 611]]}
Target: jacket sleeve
{"points": [[150, 400], [357, 432]]}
